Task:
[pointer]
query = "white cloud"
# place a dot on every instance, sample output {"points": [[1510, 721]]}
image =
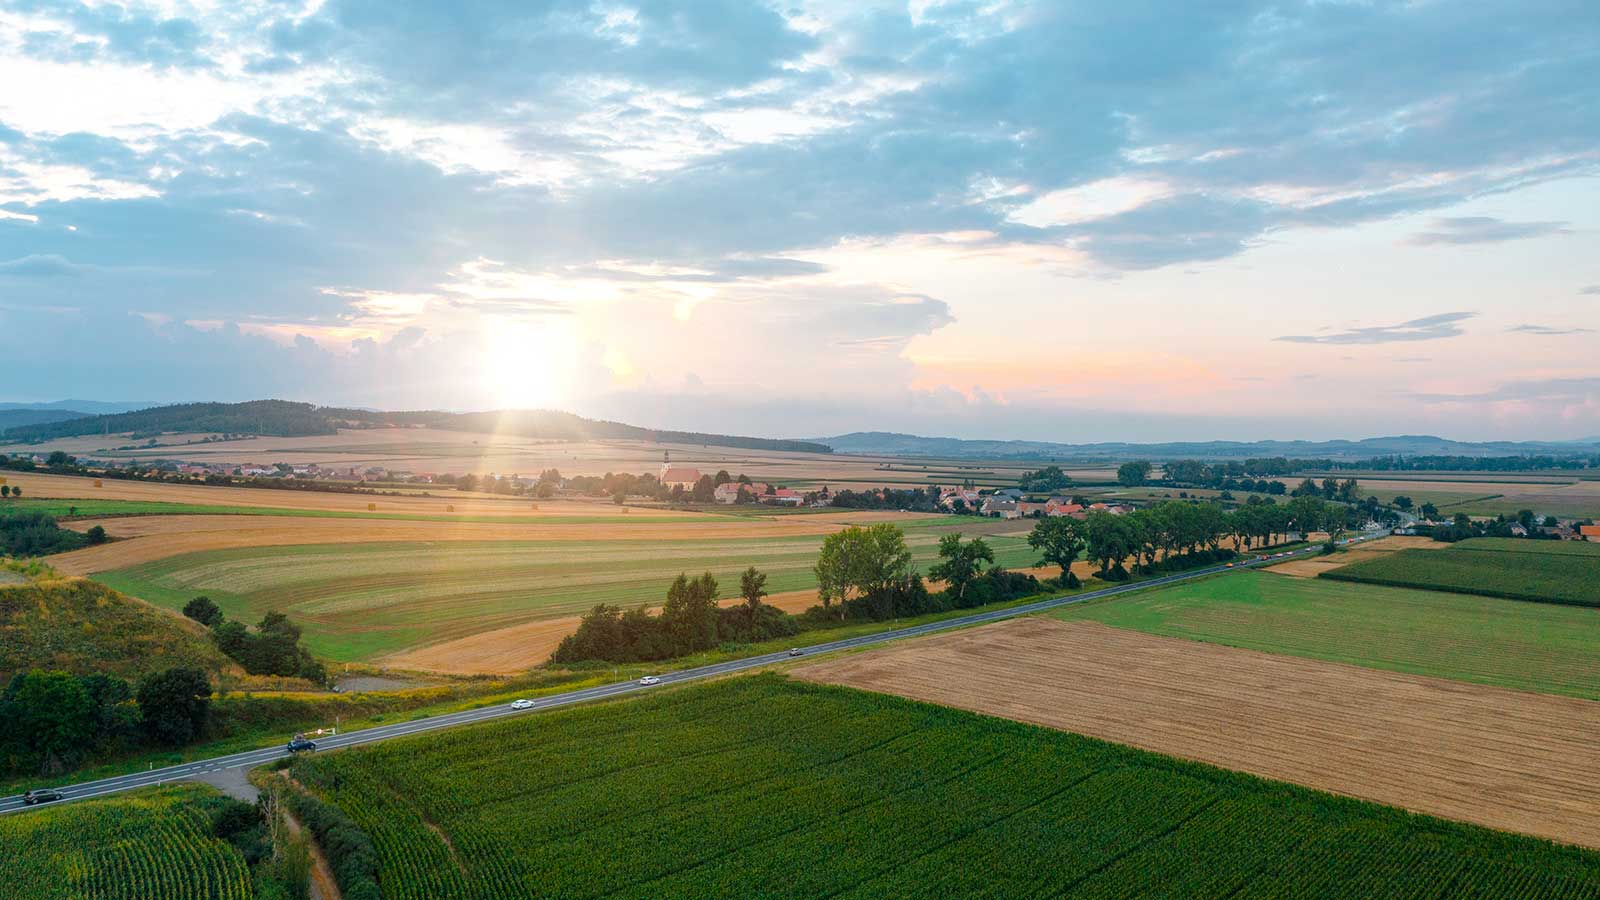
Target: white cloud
{"points": [[1088, 202]]}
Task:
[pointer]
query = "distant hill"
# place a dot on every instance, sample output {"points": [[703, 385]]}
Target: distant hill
{"points": [[15, 418], [84, 407], [876, 443], [285, 418]]}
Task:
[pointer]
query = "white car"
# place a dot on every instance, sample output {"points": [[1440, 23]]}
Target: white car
{"points": [[522, 704], [649, 680]]}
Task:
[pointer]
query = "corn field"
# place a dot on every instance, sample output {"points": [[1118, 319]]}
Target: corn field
{"points": [[153, 846], [760, 787]]}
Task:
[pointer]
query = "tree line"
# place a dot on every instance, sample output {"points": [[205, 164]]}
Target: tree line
{"points": [[53, 721]]}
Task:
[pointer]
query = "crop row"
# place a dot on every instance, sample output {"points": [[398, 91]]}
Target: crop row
{"points": [[1571, 579], [154, 847], [760, 787]]}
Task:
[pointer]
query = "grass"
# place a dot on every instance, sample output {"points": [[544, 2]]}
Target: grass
{"points": [[78, 626], [1540, 571], [152, 845], [761, 787], [361, 601], [91, 508], [1526, 646]]}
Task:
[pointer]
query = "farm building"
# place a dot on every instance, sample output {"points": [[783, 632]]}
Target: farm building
{"points": [[675, 476]]}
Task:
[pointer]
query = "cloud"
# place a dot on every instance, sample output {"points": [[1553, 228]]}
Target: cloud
{"points": [[1547, 330], [40, 265], [1484, 230], [1428, 328], [1582, 390], [1590, 290]]}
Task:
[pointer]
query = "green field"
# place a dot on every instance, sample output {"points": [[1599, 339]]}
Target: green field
{"points": [[91, 508], [360, 601], [761, 787], [1541, 571], [1528, 646], [154, 845]]}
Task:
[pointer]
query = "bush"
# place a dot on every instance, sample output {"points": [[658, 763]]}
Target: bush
{"points": [[349, 849], [29, 532]]}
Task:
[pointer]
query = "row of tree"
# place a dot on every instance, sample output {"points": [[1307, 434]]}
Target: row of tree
{"points": [[32, 532], [52, 721], [690, 621]]}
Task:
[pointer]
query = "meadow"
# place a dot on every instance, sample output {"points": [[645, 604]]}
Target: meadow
{"points": [[154, 845], [362, 601], [1527, 646], [94, 508], [762, 787], [1540, 571]]}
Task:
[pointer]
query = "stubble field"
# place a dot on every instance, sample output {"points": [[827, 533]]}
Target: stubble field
{"points": [[1504, 759]]}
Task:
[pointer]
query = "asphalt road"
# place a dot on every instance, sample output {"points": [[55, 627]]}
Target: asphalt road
{"points": [[252, 758]]}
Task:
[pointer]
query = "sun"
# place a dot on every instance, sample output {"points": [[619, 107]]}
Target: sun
{"points": [[528, 365]]}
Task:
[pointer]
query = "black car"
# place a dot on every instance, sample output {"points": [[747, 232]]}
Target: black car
{"points": [[301, 745], [42, 795]]}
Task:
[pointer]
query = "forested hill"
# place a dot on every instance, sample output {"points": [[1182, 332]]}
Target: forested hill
{"points": [[285, 418]]}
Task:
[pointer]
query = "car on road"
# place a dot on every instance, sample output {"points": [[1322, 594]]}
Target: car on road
{"points": [[522, 704], [301, 745], [1229, 565], [795, 651], [649, 680], [40, 795]]}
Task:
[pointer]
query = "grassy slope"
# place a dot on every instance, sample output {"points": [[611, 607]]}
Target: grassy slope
{"points": [[152, 845], [359, 601], [1527, 646], [76, 625], [757, 787], [1541, 571]]}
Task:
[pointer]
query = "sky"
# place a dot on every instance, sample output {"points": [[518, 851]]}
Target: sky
{"points": [[1067, 221]]}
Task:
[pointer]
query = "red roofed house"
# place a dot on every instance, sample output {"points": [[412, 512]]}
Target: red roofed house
{"points": [[1589, 532], [676, 477]]}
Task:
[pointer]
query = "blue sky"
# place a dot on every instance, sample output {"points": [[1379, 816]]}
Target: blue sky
{"points": [[1064, 221]]}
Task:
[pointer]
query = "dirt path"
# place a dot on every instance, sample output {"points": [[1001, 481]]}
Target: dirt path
{"points": [[323, 885], [1505, 759]]}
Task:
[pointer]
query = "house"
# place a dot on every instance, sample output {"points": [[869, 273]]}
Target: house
{"points": [[675, 476], [1001, 507], [729, 491], [1589, 532], [1518, 531], [785, 497], [968, 496], [1063, 509], [1033, 508]]}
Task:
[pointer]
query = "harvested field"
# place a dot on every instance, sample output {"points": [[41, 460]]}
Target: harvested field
{"points": [[361, 597], [433, 450], [1505, 759], [1553, 494], [1312, 566], [1537, 571], [146, 539]]}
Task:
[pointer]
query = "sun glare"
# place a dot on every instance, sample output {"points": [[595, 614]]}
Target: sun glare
{"points": [[528, 365]]}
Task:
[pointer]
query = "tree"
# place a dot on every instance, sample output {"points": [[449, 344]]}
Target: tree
{"points": [[175, 704], [1049, 478], [722, 478], [1133, 474], [51, 716], [59, 458], [203, 610], [960, 563], [860, 561], [1402, 502], [1059, 540], [690, 613], [1108, 540], [1429, 511], [96, 535], [705, 490], [16, 491], [752, 587], [5, 490]]}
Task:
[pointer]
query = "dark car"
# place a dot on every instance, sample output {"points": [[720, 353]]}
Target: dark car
{"points": [[42, 795], [301, 745]]}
